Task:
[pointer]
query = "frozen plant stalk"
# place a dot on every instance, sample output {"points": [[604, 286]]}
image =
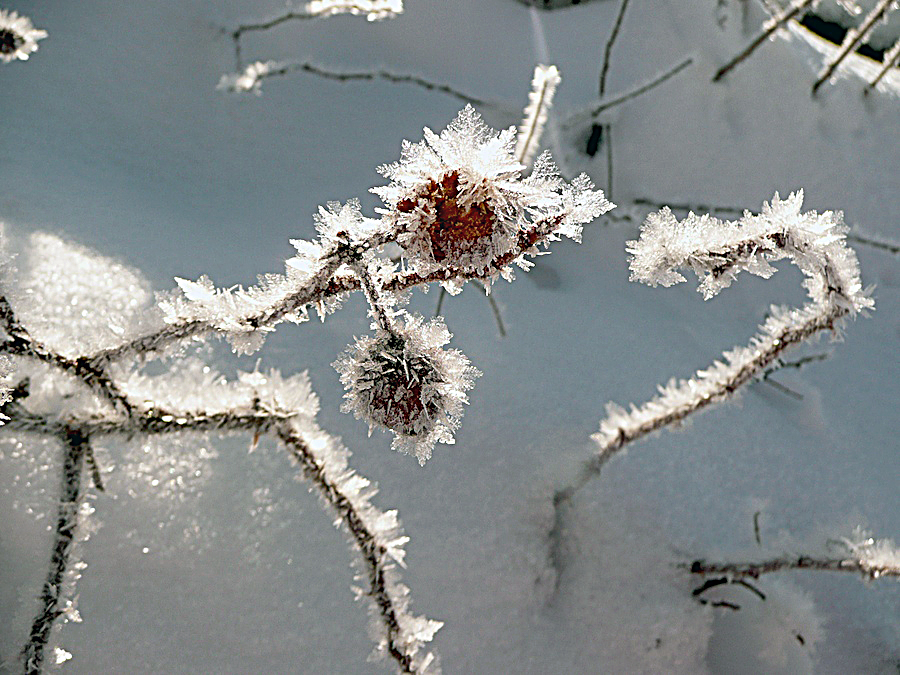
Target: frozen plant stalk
{"points": [[716, 251]]}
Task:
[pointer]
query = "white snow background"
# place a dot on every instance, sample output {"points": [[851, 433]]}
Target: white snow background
{"points": [[116, 139]]}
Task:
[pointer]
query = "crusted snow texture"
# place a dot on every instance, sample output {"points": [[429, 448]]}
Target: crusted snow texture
{"points": [[716, 251], [76, 301], [540, 99], [18, 37], [246, 316], [407, 382], [375, 10], [459, 202]]}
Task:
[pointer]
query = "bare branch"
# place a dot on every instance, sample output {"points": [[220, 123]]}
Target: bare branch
{"points": [[607, 52]]}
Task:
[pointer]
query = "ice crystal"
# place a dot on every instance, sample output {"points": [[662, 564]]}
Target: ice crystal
{"points": [[407, 382], [458, 200], [18, 37]]}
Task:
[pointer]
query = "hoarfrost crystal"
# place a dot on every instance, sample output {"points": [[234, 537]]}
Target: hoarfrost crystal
{"points": [[407, 382]]}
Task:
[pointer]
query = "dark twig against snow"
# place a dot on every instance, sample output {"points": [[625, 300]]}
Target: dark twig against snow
{"points": [[607, 51]]}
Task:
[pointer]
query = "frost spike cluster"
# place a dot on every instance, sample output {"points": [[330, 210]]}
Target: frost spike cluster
{"points": [[716, 251], [407, 382]]}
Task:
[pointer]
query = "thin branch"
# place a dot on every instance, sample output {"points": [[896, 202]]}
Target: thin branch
{"points": [[344, 76], [249, 78], [769, 27], [716, 251], [655, 205], [495, 308], [607, 52], [372, 10], [609, 161], [754, 570], [64, 536], [874, 243], [853, 38], [891, 59], [634, 93], [376, 558]]}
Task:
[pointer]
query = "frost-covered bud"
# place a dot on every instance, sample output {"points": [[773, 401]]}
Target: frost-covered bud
{"points": [[18, 37], [459, 201], [407, 382]]}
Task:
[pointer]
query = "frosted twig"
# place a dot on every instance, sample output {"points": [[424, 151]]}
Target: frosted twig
{"points": [[716, 251], [854, 37], [375, 10], [249, 78], [74, 444], [891, 59], [607, 52], [540, 99], [375, 534], [324, 286], [769, 27]]}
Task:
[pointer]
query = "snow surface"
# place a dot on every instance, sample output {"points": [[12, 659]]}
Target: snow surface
{"points": [[116, 139]]}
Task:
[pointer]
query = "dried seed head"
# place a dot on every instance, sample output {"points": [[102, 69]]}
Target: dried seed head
{"points": [[458, 201], [406, 382]]}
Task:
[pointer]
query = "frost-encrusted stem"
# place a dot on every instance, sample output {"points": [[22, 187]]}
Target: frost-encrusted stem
{"points": [[375, 534], [717, 251], [853, 37], [660, 412], [316, 291], [316, 9], [386, 597], [607, 51], [75, 446], [543, 87], [769, 27]]}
